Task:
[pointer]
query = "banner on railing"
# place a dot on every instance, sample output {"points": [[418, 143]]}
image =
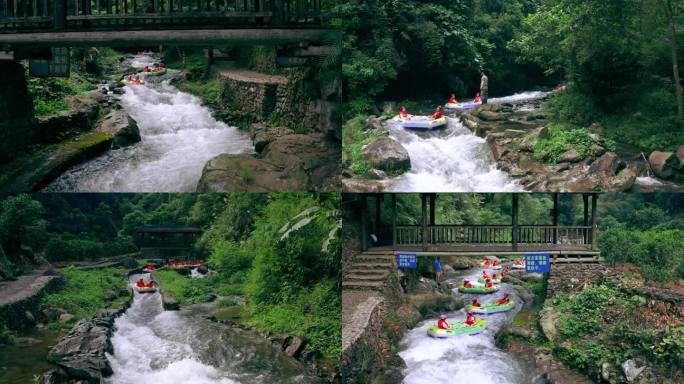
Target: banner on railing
{"points": [[537, 262], [407, 260]]}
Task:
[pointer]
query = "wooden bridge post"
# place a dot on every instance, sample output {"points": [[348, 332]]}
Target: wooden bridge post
{"points": [[364, 234], [555, 218], [394, 221], [376, 225], [433, 197], [585, 204], [514, 222], [594, 228], [276, 12], [59, 20], [423, 220]]}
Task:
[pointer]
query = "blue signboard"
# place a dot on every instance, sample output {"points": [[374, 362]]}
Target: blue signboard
{"points": [[537, 262], [407, 260]]}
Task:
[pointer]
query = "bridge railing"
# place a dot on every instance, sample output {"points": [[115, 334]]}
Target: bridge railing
{"points": [[18, 15], [494, 234]]}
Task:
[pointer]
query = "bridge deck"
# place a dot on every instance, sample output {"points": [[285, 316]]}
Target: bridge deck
{"points": [[197, 37], [558, 250]]}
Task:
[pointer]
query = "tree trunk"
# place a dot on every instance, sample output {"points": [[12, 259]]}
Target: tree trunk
{"points": [[669, 12]]}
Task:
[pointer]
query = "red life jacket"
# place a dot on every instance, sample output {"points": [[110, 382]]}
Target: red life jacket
{"points": [[470, 320], [452, 99], [442, 324]]}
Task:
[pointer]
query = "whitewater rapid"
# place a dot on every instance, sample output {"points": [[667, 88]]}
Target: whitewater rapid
{"points": [[465, 359], [454, 159], [170, 347], [179, 135]]}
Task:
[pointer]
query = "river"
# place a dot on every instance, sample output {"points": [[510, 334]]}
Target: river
{"points": [[454, 159], [179, 135], [170, 347], [466, 359]]}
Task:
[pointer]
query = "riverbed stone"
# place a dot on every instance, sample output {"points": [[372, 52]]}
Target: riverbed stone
{"points": [[631, 370], [388, 155], [570, 156], [295, 346], [263, 134], [606, 164], [664, 164], [549, 320], [122, 127]]}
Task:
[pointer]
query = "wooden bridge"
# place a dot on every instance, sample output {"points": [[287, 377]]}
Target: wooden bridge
{"points": [[574, 241], [139, 22]]}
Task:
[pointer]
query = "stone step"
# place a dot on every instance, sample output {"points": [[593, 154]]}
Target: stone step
{"points": [[363, 285], [373, 259], [367, 271], [372, 265], [357, 277]]}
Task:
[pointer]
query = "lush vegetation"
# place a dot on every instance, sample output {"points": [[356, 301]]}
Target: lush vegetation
{"points": [[86, 291], [562, 139], [407, 48], [617, 59], [354, 138], [603, 324], [279, 251]]}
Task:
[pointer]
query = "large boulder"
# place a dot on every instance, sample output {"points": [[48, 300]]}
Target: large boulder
{"points": [[263, 134], [549, 320], [623, 181], [664, 164], [121, 127], [570, 156], [289, 163], [608, 163], [295, 346], [388, 155]]}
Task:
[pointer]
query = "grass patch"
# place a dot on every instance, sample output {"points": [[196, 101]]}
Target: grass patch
{"points": [[563, 138], [318, 315], [210, 91], [49, 94], [354, 138], [84, 292], [184, 289]]}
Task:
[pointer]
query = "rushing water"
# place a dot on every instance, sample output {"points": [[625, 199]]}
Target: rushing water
{"points": [[179, 135], [169, 347], [465, 359], [454, 159]]}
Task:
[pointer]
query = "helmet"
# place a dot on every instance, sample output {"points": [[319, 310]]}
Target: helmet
{"points": [[442, 316]]}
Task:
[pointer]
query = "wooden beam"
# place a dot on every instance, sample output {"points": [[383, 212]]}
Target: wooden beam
{"points": [[196, 37], [433, 197], [364, 234], [585, 222], [514, 222], [594, 228], [555, 217], [376, 224], [394, 221]]}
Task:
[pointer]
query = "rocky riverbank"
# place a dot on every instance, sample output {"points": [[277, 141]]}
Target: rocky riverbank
{"points": [[94, 124]]}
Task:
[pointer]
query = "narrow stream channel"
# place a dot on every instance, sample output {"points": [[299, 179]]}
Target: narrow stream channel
{"points": [[179, 135], [170, 347], [454, 159], [464, 358]]}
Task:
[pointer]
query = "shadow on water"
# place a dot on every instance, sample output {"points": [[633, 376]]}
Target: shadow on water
{"points": [[18, 363]]}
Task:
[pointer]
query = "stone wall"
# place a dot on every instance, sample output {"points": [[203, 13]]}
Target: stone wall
{"points": [[574, 277], [22, 313], [16, 109], [363, 355]]}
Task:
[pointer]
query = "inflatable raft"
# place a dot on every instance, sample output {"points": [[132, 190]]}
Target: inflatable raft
{"points": [[422, 123], [134, 82], [478, 289], [495, 281], [490, 308], [459, 328], [145, 289], [519, 263], [155, 72], [462, 106]]}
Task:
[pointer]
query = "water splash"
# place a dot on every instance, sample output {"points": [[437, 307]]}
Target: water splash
{"points": [[471, 359], [168, 347], [450, 160], [179, 136]]}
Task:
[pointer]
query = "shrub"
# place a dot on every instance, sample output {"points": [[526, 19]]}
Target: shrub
{"points": [[562, 138]]}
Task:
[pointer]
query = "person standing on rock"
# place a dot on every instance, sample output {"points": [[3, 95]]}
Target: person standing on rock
{"points": [[438, 270], [484, 87]]}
